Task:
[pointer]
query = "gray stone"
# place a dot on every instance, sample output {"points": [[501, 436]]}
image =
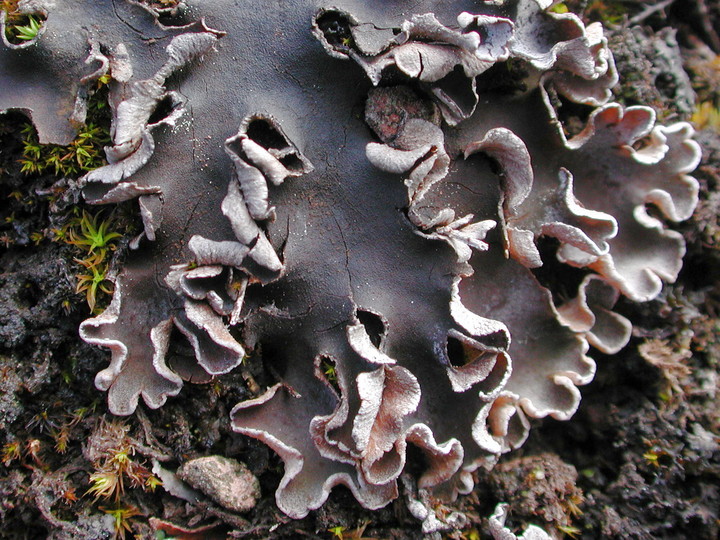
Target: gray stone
{"points": [[226, 481]]}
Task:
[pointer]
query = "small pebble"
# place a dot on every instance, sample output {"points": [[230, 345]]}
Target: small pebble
{"points": [[226, 481]]}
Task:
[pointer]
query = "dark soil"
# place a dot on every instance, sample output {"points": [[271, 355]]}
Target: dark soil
{"points": [[640, 459]]}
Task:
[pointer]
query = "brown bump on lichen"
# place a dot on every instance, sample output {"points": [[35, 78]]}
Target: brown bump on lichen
{"points": [[388, 108]]}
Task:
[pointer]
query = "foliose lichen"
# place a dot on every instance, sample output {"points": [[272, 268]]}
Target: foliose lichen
{"points": [[370, 188]]}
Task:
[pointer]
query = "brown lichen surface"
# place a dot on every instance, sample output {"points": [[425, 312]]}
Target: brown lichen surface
{"points": [[277, 223]]}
